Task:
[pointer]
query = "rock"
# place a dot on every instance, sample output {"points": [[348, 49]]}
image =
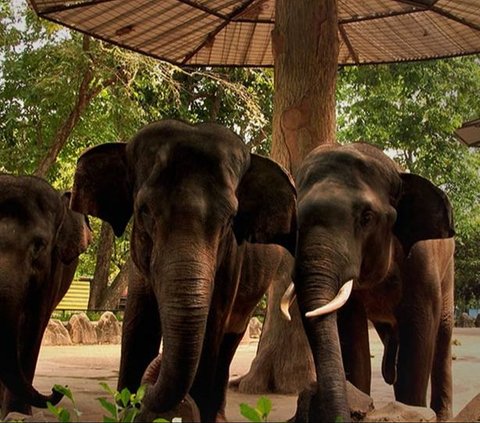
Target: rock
{"points": [[254, 328], [359, 402], [40, 416], [465, 321], [81, 329], [56, 334], [471, 412], [108, 329], [186, 411], [398, 412]]}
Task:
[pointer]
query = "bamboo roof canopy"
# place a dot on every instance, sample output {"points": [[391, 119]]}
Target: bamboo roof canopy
{"points": [[238, 32]]}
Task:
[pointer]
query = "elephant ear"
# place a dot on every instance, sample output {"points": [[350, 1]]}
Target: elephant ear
{"points": [[266, 205], [101, 186], [74, 235], [423, 212]]}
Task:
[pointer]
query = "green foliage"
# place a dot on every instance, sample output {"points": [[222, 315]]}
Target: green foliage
{"points": [[123, 406], [93, 316], [411, 111], [259, 413], [43, 66], [61, 413]]}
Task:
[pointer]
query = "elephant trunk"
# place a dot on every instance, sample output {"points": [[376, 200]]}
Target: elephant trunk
{"points": [[183, 296], [12, 373], [319, 274]]}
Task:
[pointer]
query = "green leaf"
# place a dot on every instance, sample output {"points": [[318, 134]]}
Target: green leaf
{"points": [[54, 410], [141, 393], [107, 419], [64, 390], [125, 397], [64, 415], [264, 406], [107, 388], [109, 406], [250, 413], [161, 420], [129, 415]]}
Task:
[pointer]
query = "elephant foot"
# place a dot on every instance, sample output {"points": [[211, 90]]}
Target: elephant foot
{"points": [[187, 410]]}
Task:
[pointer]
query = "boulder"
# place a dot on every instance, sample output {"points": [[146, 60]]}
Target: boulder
{"points": [[186, 411], [398, 412], [465, 321], [471, 412], [56, 334], [38, 417], [108, 329], [81, 329], [360, 403], [254, 328]]}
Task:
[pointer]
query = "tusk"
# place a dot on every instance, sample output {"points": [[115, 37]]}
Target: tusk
{"points": [[336, 303], [287, 300]]}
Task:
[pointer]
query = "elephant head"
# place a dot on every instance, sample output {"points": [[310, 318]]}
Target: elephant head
{"points": [[40, 240], [195, 193], [355, 208]]}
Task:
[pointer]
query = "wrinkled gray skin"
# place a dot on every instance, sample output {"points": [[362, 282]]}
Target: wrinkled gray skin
{"points": [[359, 217], [40, 240], [202, 208]]}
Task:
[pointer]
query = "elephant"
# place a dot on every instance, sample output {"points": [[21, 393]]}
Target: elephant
{"points": [[378, 242], [212, 224], [40, 241]]}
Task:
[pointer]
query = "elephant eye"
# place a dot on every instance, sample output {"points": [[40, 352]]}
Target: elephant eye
{"points": [[38, 245], [145, 216], [367, 218]]}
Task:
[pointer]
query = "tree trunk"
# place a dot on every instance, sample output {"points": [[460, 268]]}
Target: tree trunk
{"points": [[86, 93], [275, 369], [105, 296], [102, 267], [305, 48], [112, 294], [305, 45]]}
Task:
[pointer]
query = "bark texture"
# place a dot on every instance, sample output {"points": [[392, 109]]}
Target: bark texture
{"points": [[305, 48], [305, 44], [105, 295], [283, 353]]}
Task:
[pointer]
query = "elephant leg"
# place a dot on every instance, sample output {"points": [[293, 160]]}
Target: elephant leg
{"points": [[31, 338], [210, 386], [227, 351], [441, 382], [417, 335], [353, 331], [141, 334], [389, 339]]}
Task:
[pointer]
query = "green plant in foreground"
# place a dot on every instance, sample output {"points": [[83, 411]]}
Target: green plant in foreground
{"points": [[259, 413], [124, 406], [61, 413]]}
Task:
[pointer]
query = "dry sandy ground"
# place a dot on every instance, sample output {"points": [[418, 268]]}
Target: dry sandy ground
{"points": [[83, 367]]}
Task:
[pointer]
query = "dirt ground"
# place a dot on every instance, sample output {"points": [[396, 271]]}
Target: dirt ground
{"points": [[83, 367]]}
